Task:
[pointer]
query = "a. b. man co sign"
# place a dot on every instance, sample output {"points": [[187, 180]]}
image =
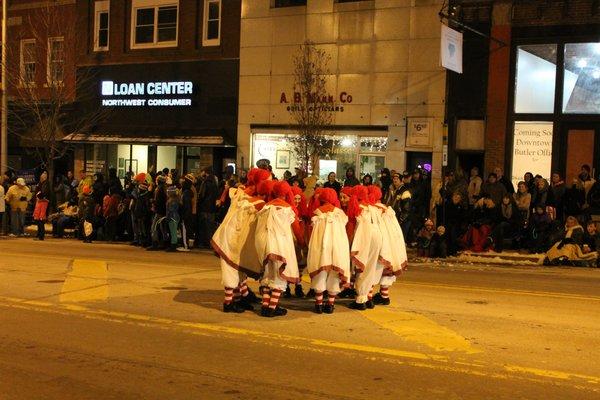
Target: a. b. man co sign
{"points": [[327, 102]]}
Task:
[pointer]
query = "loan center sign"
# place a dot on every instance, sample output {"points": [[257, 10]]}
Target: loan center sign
{"points": [[327, 102], [142, 94]]}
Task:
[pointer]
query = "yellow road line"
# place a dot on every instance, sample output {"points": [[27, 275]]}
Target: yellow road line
{"points": [[284, 340], [87, 281], [502, 291], [417, 328]]}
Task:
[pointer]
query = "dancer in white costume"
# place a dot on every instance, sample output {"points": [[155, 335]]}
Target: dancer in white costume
{"points": [[328, 251], [233, 241], [366, 246], [393, 250], [276, 228]]}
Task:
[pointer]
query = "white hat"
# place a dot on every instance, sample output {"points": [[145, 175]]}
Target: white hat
{"points": [[21, 182]]}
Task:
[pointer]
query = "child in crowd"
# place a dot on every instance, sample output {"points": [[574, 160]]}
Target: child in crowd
{"points": [[39, 214]]}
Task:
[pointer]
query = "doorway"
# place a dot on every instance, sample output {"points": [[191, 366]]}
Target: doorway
{"points": [[418, 159], [582, 147], [465, 161]]}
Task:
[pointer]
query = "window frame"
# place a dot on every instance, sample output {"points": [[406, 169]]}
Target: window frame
{"points": [[101, 7], [205, 41], [50, 61], [156, 5], [22, 80]]}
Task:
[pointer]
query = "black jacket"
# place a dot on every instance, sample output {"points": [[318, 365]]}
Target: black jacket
{"points": [[208, 193]]}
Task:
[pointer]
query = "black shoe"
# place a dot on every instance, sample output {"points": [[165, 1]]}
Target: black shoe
{"points": [[298, 291], [318, 309], [288, 293], [272, 312], [245, 304], [328, 308], [153, 247], [357, 306], [311, 293], [370, 304], [171, 249], [379, 299], [251, 297], [232, 307], [344, 293]]}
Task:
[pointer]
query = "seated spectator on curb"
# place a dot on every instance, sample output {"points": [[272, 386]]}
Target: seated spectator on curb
{"points": [[431, 241], [477, 238], [591, 240], [424, 238], [540, 229], [569, 250], [509, 224], [66, 217]]}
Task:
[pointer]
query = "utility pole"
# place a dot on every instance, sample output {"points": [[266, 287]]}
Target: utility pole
{"points": [[4, 123]]}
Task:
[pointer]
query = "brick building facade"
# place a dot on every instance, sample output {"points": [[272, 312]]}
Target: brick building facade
{"points": [[41, 55], [164, 74], [533, 102]]}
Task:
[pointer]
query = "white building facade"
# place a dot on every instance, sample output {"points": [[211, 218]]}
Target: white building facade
{"points": [[386, 84]]}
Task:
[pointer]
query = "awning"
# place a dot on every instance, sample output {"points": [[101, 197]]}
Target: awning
{"points": [[148, 140]]}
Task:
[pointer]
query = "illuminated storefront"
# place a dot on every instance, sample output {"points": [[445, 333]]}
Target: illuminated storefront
{"points": [[152, 116]]}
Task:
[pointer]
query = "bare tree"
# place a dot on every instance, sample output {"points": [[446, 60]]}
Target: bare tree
{"points": [[311, 110], [43, 83]]}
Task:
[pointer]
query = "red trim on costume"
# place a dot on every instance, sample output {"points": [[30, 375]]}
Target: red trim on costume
{"points": [[359, 265], [219, 252], [328, 268], [283, 261]]}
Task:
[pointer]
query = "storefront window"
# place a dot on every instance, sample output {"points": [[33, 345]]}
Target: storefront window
{"points": [[536, 78], [532, 149], [370, 164], [581, 88]]}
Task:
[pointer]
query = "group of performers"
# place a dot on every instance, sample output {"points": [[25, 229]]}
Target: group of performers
{"points": [[350, 243]]}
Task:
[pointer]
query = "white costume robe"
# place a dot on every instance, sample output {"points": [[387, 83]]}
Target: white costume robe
{"points": [[275, 245], [328, 250], [393, 254], [234, 239], [366, 250]]}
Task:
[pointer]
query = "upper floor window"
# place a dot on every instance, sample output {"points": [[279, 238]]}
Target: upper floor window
{"points": [[56, 60], [535, 78], [28, 61], [154, 23], [101, 25], [581, 86], [288, 3], [212, 23]]}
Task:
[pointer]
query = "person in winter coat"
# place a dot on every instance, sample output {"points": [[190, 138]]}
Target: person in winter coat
{"points": [[114, 183], [98, 188], [574, 199], [159, 208], [591, 240], [485, 214], [333, 183], [558, 189], [43, 185], [351, 179], [87, 213], [504, 180], [111, 212], [493, 189], [39, 215], [456, 214], [173, 217], [543, 196], [208, 193], [509, 223], [386, 181], [188, 211], [569, 250], [141, 212], [18, 196], [523, 200], [474, 189], [540, 228]]}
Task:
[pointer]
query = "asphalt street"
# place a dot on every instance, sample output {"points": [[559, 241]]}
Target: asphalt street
{"points": [[108, 321]]}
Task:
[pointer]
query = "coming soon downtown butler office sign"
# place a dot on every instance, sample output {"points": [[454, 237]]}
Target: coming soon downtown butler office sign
{"points": [[142, 94]]}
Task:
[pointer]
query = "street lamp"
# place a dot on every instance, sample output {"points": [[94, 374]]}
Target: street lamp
{"points": [[4, 122]]}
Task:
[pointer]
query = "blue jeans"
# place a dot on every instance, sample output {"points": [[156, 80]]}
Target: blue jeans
{"points": [[17, 222]]}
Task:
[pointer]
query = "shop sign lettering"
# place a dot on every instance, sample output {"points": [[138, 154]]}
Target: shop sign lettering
{"points": [[135, 94], [327, 102], [532, 149]]}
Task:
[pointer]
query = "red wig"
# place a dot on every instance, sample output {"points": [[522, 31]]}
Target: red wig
{"points": [[347, 190], [303, 206], [257, 175], [375, 194], [360, 195], [265, 189], [314, 201], [329, 195], [283, 190]]}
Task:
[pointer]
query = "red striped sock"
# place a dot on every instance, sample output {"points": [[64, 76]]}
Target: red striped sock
{"points": [[385, 292], [275, 294], [319, 298], [331, 299], [370, 295], [266, 297], [228, 295], [244, 288]]}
